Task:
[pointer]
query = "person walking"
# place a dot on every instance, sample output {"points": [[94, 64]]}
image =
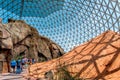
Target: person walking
{"points": [[23, 63], [13, 65], [33, 60], [19, 65]]}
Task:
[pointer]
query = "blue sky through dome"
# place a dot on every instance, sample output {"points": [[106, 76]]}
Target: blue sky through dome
{"points": [[67, 22]]}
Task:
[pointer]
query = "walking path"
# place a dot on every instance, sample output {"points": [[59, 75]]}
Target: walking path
{"points": [[12, 76]]}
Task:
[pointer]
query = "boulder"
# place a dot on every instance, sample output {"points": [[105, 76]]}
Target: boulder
{"points": [[21, 38], [5, 38], [97, 59]]}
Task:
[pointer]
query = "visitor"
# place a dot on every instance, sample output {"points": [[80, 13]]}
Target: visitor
{"points": [[26, 62], [23, 63], [13, 65], [33, 60], [29, 61], [19, 67]]}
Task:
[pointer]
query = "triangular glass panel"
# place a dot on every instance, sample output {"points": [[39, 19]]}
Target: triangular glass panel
{"points": [[113, 4]]}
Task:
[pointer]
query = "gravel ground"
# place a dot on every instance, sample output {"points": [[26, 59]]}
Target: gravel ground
{"points": [[12, 76]]}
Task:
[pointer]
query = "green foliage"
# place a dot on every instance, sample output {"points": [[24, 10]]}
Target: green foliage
{"points": [[64, 74], [16, 57]]}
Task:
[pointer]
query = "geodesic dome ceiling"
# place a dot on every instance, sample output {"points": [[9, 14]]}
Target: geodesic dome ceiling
{"points": [[67, 22]]}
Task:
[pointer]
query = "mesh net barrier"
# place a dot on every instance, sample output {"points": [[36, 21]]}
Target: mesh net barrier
{"points": [[67, 22]]}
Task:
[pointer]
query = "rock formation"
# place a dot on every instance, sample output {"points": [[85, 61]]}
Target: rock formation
{"points": [[97, 59], [20, 39]]}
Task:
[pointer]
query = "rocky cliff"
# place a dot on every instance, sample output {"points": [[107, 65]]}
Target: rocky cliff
{"points": [[97, 59], [22, 39]]}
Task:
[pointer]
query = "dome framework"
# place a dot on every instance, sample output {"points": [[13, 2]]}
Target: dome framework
{"points": [[67, 22]]}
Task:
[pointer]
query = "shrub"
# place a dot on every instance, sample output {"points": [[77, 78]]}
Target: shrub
{"points": [[63, 74]]}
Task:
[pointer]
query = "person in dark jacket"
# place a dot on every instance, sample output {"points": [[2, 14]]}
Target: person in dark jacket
{"points": [[18, 69], [33, 60]]}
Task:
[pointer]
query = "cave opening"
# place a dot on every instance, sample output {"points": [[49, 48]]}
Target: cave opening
{"points": [[41, 57]]}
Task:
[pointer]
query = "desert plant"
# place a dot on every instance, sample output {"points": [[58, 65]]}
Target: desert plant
{"points": [[63, 74]]}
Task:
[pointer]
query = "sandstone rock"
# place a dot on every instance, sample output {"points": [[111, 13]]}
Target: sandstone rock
{"points": [[20, 39], [27, 40], [97, 59], [5, 39]]}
